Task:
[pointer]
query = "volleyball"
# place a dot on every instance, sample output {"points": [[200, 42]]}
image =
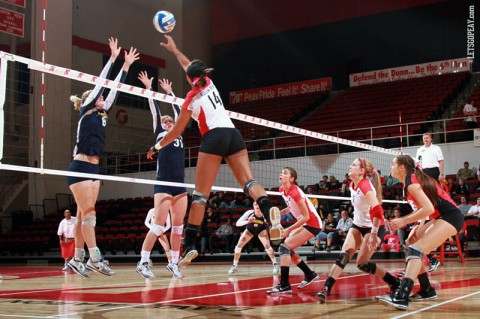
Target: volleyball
{"points": [[164, 21]]}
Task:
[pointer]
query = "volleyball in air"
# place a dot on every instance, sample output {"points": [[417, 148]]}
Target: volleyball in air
{"points": [[164, 21]]}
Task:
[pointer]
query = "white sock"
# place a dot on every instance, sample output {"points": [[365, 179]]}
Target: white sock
{"points": [[235, 263], [95, 254], [80, 253], [145, 256], [175, 255]]}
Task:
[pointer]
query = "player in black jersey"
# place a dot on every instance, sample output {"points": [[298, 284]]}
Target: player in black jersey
{"points": [[256, 226], [170, 168], [91, 130]]}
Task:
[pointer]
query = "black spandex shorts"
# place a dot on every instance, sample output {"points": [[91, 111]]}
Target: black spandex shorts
{"points": [[222, 141], [453, 218], [315, 231], [82, 167], [366, 230], [171, 190]]}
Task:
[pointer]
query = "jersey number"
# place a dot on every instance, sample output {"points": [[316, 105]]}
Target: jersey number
{"points": [[216, 100]]}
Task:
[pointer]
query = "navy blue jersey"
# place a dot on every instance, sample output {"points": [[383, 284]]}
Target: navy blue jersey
{"points": [[171, 158], [93, 122]]}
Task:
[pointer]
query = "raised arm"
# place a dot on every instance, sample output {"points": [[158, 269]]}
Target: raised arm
{"points": [[172, 47], [166, 85], [130, 57], [153, 104]]}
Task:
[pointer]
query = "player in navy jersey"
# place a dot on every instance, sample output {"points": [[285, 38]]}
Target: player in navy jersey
{"points": [[430, 200], [220, 140], [367, 229], [308, 224], [170, 168], [91, 130], [255, 226]]}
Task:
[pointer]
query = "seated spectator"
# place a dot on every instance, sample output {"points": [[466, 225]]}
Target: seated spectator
{"points": [[475, 209], [345, 185], [470, 112], [391, 241], [210, 216], [464, 206], [390, 182], [238, 201], [402, 233], [466, 172], [314, 200], [329, 227], [447, 185], [341, 231], [287, 218], [322, 184], [219, 201], [461, 189], [224, 232], [333, 183]]}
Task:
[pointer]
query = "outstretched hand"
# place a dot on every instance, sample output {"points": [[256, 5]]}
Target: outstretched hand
{"points": [[147, 82], [150, 154], [166, 85], [114, 48], [131, 56], [170, 45]]}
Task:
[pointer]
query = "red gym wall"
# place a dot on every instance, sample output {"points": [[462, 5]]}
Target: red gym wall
{"points": [[233, 20]]}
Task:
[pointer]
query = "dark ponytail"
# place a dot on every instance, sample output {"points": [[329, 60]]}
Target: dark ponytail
{"points": [[197, 70]]}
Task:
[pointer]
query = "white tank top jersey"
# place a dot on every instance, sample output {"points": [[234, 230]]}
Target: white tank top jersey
{"points": [[207, 108], [291, 198], [361, 208]]}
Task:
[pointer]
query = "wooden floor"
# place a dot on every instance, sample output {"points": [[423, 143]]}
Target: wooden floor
{"points": [[207, 291]]}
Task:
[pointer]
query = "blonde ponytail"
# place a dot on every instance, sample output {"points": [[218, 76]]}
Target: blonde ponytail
{"points": [[77, 102]]}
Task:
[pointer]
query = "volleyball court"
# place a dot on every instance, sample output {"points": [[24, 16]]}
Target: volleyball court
{"points": [[37, 137]]}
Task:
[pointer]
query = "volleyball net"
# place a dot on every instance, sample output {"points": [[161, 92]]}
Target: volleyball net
{"points": [[38, 128]]}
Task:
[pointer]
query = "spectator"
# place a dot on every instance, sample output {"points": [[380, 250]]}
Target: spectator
{"points": [[333, 183], [224, 232], [391, 241], [322, 184], [447, 185], [329, 227], [464, 206], [345, 185], [312, 199], [67, 239], [475, 209], [466, 172], [341, 230], [430, 157], [237, 202], [383, 180], [219, 201], [390, 182], [470, 112], [461, 188]]}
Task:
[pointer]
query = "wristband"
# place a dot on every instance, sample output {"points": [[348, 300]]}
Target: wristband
{"points": [[374, 230], [157, 146]]}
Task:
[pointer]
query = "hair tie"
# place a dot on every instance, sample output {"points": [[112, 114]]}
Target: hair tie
{"points": [[195, 81], [418, 165], [374, 170]]}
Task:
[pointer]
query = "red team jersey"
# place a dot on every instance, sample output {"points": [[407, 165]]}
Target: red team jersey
{"points": [[291, 198], [207, 107]]}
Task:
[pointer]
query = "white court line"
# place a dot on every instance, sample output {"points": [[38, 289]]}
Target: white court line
{"points": [[434, 306]]}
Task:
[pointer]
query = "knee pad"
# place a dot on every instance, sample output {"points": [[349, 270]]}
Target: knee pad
{"points": [[283, 250], [90, 220], [177, 230], [199, 198], [368, 267], [248, 185], [157, 230], [237, 250], [414, 253], [342, 260]]}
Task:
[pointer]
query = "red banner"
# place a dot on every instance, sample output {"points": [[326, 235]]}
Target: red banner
{"points": [[410, 71], [282, 90], [12, 22], [18, 3]]}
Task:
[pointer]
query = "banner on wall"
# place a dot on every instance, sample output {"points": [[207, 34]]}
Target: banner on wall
{"points": [[12, 22], [322, 85], [18, 3], [410, 71]]}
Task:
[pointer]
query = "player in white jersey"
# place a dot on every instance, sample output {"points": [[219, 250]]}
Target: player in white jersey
{"points": [[307, 226], [367, 230], [220, 140]]}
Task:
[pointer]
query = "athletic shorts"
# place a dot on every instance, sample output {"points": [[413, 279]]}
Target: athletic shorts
{"points": [[315, 231], [222, 141], [82, 167], [366, 230], [170, 190], [256, 229], [454, 218], [68, 249]]}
